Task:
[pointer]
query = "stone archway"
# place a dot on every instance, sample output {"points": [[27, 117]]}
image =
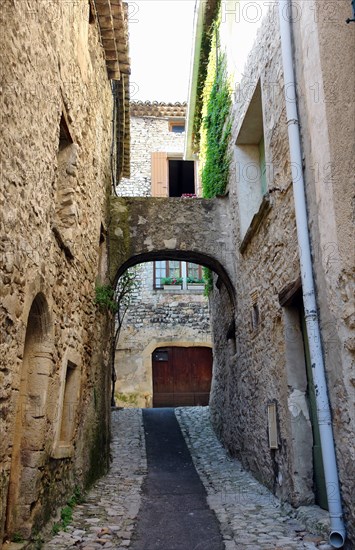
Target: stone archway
{"points": [[144, 229], [28, 452]]}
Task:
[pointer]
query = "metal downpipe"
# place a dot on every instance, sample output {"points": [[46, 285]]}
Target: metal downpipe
{"points": [[338, 533]]}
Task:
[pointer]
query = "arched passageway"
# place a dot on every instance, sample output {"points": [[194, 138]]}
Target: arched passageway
{"points": [[151, 228]]}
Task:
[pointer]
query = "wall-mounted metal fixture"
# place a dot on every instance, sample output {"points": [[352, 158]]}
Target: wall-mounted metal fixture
{"points": [[272, 425], [352, 20]]}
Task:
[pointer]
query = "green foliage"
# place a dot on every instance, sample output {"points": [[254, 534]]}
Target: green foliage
{"points": [[37, 542], [171, 280], [105, 298], [217, 126], [66, 514], [56, 528], [16, 537], [192, 280], [207, 275], [206, 48], [215, 131]]}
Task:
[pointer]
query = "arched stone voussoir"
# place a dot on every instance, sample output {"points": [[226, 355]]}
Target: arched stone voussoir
{"points": [[150, 228]]}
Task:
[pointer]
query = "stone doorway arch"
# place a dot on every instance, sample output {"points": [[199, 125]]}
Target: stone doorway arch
{"points": [[28, 450]]}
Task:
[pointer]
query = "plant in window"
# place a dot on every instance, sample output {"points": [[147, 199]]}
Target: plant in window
{"points": [[171, 280], [195, 280]]}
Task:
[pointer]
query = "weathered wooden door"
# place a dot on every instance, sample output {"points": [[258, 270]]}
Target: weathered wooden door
{"points": [[181, 376]]}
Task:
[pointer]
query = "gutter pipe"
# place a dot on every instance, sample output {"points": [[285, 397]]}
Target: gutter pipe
{"points": [[338, 533]]}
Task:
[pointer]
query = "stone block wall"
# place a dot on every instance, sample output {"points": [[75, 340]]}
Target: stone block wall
{"points": [[149, 134], [327, 125], [265, 364], [56, 115], [254, 376]]}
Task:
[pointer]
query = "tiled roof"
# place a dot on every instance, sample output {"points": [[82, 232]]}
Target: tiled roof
{"points": [[156, 109], [112, 16]]}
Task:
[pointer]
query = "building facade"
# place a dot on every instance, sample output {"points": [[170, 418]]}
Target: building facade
{"points": [[160, 316], [60, 68], [263, 401]]}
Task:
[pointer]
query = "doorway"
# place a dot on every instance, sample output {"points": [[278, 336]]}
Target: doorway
{"points": [[30, 430], [181, 178], [181, 376]]}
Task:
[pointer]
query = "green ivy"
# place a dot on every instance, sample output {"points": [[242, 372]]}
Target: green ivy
{"points": [[105, 297], [217, 130], [208, 278]]}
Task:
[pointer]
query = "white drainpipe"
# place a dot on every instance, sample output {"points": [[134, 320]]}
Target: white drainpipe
{"points": [[338, 534]]}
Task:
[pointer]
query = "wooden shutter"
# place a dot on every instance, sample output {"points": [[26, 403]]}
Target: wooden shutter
{"points": [[159, 175]]}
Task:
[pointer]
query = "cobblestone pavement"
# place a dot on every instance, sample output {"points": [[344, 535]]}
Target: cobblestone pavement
{"points": [[106, 518], [250, 517]]}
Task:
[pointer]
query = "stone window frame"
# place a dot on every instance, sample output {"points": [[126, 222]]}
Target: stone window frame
{"points": [[66, 421], [251, 160], [67, 160]]}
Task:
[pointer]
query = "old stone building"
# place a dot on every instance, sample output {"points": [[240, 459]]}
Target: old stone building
{"points": [[264, 399], [64, 78], [161, 318]]}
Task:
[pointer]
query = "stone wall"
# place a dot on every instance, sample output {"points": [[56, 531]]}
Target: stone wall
{"points": [[255, 376], [149, 134], [56, 115], [265, 364], [327, 127], [155, 318]]}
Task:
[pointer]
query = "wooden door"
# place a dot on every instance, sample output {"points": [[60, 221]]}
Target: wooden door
{"points": [[181, 376]]}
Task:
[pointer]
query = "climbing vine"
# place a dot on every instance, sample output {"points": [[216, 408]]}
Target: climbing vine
{"points": [[215, 131]]}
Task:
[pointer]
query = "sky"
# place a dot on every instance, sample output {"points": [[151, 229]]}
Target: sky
{"points": [[161, 43], [161, 35]]}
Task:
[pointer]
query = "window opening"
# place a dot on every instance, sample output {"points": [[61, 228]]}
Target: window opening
{"points": [[181, 177], [65, 139], [252, 175], [178, 127], [174, 269], [159, 273], [194, 271], [70, 402], [91, 13]]}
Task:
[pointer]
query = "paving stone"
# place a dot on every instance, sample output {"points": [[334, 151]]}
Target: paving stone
{"points": [[256, 516], [106, 518], [250, 516]]}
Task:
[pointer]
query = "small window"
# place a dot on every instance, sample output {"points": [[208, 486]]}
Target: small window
{"points": [[159, 273], [70, 403], [194, 271], [161, 355], [91, 13], [164, 269], [255, 317], [65, 139], [177, 127]]}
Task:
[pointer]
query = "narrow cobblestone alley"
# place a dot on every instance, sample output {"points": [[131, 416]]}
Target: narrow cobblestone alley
{"points": [[249, 516]]}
